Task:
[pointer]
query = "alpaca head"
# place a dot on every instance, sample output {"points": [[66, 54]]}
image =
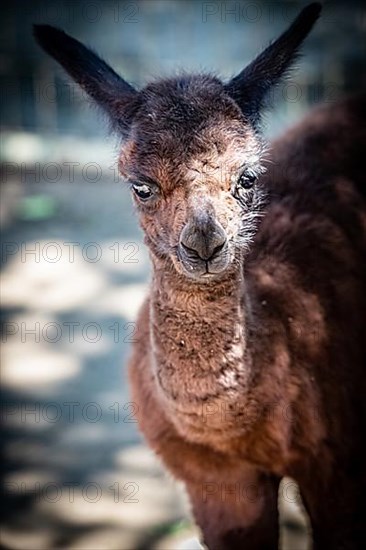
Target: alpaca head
{"points": [[191, 148], [192, 158]]}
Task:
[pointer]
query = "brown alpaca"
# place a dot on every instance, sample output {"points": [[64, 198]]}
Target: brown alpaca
{"points": [[250, 362]]}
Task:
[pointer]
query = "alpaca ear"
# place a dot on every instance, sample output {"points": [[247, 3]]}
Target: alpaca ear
{"points": [[250, 88], [116, 97]]}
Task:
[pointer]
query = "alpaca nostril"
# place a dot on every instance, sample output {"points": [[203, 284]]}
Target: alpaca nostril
{"points": [[190, 252], [218, 249], [188, 249]]}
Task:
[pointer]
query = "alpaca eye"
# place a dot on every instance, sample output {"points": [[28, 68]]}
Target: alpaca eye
{"points": [[246, 180], [143, 191], [243, 184]]}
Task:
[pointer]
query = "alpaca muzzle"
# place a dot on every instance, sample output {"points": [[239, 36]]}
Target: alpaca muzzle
{"points": [[203, 246]]}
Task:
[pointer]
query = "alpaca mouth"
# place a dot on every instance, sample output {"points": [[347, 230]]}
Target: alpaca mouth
{"points": [[199, 268]]}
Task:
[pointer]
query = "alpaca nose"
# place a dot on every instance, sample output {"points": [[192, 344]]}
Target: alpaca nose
{"points": [[203, 238]]}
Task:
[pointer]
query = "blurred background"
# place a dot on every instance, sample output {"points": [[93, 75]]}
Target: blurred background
{"points": [[74, 270]]}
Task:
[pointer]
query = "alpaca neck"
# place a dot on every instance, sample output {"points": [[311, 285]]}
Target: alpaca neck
{"points": [[216, 373], [199, 346]]}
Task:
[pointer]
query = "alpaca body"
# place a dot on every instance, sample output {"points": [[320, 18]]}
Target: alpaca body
{"points": [[266, 372]]}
